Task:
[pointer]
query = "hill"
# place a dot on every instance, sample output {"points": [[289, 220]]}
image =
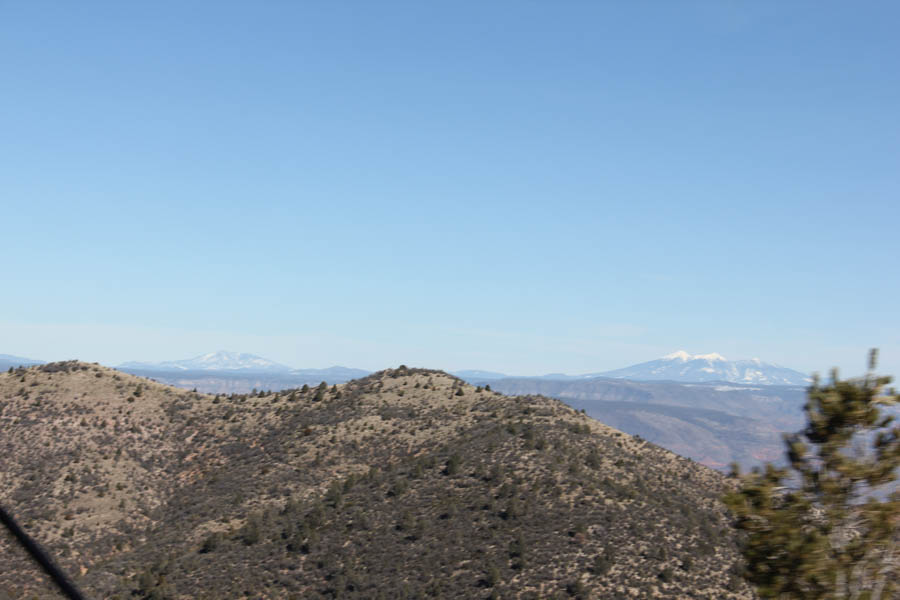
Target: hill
{"points": [[406, 483]]}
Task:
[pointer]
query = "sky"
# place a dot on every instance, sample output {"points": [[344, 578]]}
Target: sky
{"points": [[526, 187]]}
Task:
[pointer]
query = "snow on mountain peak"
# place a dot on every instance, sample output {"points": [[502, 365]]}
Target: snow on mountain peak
{"points": [[224, 357], [685, 356], [685, 367], [234, 360], [217, 361], [712, 356]]}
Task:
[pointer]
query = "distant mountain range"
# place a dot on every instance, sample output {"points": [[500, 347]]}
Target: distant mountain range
{"points": [[240, 363], [702, 406], [697, 368], [476, 375], [233, 372], [214, 361], [8, 360], [679, 367]]}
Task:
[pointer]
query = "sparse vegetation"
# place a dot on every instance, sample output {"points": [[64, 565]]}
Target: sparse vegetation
{"points": [[355, 490]]}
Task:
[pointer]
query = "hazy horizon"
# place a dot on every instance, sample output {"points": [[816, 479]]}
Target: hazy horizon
{"points": [[522, 188], [133, 363]]}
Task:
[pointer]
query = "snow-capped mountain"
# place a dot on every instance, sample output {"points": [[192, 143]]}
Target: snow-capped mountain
{"points": [[683, 367], [215, 361]]}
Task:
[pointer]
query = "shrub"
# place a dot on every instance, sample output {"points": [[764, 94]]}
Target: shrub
{"points": [[211, 542], [453, 464]]}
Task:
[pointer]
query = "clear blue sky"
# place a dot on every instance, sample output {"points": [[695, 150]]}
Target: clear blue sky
{"points": [[517, 186]]}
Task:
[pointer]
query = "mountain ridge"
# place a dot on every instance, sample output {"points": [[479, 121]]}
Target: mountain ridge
{"points": [[9, 361], [679, 366], [221, 360], [234, 372], [683, 367], [145, 490]]}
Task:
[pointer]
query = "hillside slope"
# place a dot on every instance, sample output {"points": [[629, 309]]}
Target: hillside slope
{"points": [[712, 423], [407, 483]]}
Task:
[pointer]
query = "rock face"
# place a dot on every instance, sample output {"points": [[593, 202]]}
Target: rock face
{"points": [[683, 367], [405, 482]]}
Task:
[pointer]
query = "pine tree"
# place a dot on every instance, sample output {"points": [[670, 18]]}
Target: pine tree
{"points": [[826, 526]]}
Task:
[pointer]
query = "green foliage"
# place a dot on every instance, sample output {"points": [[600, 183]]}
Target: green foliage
{"points": [[492, 576], [594, 460], [603, 562], [576, 588], [211, 542], [453, 464], [826, 527], [250, 532]]}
